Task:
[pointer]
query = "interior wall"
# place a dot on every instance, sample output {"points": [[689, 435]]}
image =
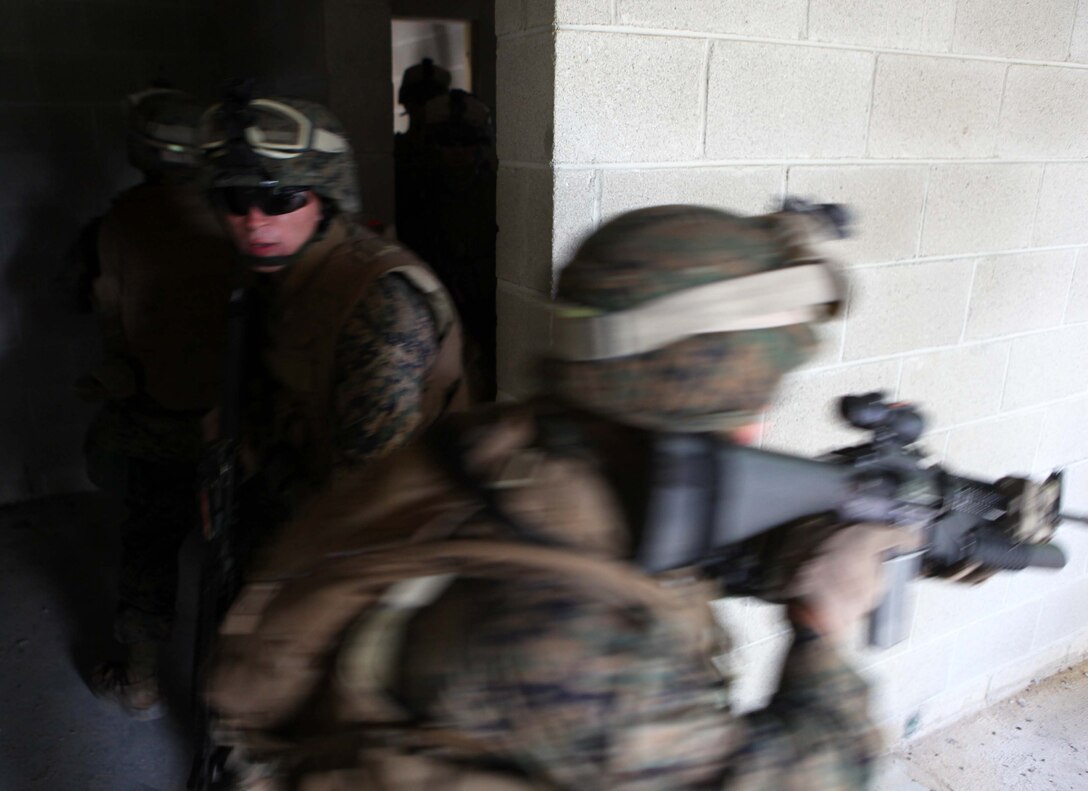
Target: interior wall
{"points": [[955, 131], [65, 69]]}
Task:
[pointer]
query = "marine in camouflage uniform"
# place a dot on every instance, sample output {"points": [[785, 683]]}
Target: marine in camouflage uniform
{"points": [[470, 616], [162, 279], [360, 345]]}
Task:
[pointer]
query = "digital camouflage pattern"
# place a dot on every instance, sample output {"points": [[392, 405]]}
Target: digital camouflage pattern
{"points": [[538, 667], [705, 382], [382, 354], [358, 358], [572, 693], [330, 174]]}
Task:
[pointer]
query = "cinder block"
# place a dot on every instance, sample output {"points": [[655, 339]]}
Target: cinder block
{"points": [[886, 204], [805, 415], [1023, 671], [1044, 114], [752, 190], [942, 608], [896, 24], [510, 16], [1012, 29], [762, 621], [905, 307], [904, 681], [1063, 206], [1077, 308], [582, 12], [1078, 50], [523, 247], [538, 14], [1049, 585], [993, 448], [729, 614], [607, 110], [1075, 495], [1078, 648], [1063, 623], [757, 668], [987, 645], [524, 103], [784, 19], [829, 336], [1064, 435], [575, 198], [955, 703], [1016, 293], [524, 332], [957, 385], [768, 100], [979, 208], [935, 107], [1046, 366]]}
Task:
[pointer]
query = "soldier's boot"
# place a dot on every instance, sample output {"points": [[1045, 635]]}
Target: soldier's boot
{"points": [[133, 685]]}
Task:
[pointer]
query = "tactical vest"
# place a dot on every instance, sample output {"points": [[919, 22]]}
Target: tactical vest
{"points": [[306, 315], [306, 653], [166, 273]]}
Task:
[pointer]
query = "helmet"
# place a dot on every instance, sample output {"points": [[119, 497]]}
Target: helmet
{"points": [[422, 82], [280, 142], [162, 125], [685, 318]]}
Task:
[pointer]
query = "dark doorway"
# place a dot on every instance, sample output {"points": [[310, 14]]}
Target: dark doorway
{"points": [[445, 172]]}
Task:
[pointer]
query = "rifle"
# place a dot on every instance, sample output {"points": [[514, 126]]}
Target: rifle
{"points": [[737, 493], [219, 573]]}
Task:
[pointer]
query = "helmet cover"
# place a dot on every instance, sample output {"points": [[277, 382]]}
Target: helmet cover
{"points": [[706, 381]]}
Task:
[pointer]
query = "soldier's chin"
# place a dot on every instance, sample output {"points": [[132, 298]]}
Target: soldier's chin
{"points": [[266, 264]]}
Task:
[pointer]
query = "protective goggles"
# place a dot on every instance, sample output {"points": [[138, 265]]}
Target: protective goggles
{"points": [[273, 129], [239, 200]]}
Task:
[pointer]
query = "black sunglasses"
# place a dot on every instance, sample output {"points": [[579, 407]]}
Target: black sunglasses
{"points": [[269, 200]]}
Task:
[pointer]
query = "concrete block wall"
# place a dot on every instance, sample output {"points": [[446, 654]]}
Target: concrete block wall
{"points": [[65, 68], [955, 130]]}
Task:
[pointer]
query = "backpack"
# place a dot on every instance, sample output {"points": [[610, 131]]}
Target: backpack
{"points": [[478, 496]]}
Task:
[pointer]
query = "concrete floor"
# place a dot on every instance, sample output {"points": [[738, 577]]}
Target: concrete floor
{"points": [[57, 563], [1035, 740]]}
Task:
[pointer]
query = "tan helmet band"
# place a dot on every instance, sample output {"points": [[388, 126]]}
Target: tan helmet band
{"points": [[777, 298]]}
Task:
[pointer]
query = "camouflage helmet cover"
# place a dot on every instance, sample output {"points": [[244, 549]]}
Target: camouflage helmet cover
{"points": [[162, 130], [700, 382], [280, 142]]}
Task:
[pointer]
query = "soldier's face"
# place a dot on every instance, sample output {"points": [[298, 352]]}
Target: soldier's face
{"points": [[259, 235]]}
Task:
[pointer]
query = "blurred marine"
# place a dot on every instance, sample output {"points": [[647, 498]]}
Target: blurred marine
{"points": [[473, 614], [163, 275]]}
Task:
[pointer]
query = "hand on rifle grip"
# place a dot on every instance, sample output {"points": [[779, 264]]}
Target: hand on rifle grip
{"points": [[842, 581]]}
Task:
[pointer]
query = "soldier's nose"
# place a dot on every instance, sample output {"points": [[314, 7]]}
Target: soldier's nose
{"points": [[255, 218]]}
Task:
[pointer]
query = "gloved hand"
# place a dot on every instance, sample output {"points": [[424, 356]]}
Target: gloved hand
{"points": [[842, 580]]}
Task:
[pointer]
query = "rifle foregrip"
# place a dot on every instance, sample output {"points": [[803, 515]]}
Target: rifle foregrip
{"points": [[999, 553]]}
